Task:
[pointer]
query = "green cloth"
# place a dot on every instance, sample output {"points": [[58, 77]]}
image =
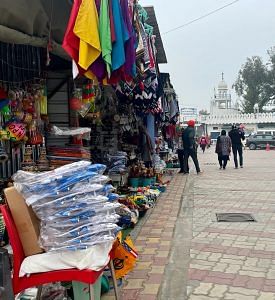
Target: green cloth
{"points": [[105, 35]]}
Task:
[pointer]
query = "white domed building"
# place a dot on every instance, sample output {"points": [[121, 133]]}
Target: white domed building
{"points": [[224, 113], [221, 103]]}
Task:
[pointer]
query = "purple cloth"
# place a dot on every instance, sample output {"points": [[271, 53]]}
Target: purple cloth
{"points": [[130, 52], [99, 68], [97, 3]]}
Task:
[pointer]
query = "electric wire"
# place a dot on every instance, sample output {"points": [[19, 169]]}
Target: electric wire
{"points": [[201, 17]]}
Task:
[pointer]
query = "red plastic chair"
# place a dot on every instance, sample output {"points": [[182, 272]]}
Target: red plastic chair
{"points": [[22, 283]]}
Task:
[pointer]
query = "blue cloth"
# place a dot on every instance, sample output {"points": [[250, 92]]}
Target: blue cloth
{"points": [[118, 52]]}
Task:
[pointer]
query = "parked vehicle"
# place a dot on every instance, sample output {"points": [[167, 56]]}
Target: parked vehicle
{"points": [[259, 141]]}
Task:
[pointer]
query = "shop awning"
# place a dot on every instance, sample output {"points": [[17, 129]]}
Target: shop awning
{"points": [[30, 21], [152, 21]]}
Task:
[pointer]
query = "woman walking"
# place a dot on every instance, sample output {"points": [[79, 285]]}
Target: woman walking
{"points": [[203, 143], [223, 149]]}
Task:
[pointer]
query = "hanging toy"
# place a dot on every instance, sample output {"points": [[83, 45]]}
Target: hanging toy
{"points": [[3, 103], [5, 110], [16, 131], [75, 103], [44, 101], [23, 117], [3, 135]]}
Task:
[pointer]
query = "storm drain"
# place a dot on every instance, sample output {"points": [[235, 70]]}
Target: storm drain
{"points": [[235, 217]]}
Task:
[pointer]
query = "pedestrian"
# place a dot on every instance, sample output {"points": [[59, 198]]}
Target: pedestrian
{"points": [[145, 146], [189, 147], [208, 141], [237, 136], [203, 143], [181, 154], [223, 149]]}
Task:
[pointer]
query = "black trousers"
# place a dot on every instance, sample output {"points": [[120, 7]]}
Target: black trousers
{"points": [[181, 159], [237, 149], [223, 161], [193, 153]]}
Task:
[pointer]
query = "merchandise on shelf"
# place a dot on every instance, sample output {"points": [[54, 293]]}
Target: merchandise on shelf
{"points": [[117, 162]]}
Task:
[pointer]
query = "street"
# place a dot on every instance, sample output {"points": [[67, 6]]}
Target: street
{"points": [[186, 254]]}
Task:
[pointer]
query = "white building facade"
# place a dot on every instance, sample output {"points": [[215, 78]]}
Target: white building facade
{"points": [[224, 113], [188, 113]]}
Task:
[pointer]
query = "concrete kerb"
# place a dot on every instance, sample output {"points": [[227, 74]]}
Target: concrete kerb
{"points": [[174, 285]]}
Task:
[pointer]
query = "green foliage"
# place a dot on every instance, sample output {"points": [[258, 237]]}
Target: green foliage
{"points": [[203, 112], [252, 84]]}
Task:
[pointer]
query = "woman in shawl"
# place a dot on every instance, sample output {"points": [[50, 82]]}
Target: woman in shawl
{"points": [[146, 146], [223, 149]]}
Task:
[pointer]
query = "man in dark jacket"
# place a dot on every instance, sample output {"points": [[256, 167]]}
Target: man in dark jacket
{"points": [[237, 136], [189, 146]]}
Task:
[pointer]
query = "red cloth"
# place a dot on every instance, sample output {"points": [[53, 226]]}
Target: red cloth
{"points": [[112, 24], [71, 41], [171, 131]]}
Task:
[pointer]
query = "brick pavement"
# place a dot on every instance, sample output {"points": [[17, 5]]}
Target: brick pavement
{"points": [[154, 243], [232, 261]]}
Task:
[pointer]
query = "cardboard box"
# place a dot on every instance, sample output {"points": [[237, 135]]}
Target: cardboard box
{"points": [[25, 220]]}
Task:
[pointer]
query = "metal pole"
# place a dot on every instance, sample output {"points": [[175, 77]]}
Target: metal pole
{"points": [[6, 292]]}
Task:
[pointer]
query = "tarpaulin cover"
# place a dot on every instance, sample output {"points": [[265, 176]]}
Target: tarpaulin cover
{"points": [[31, 21]]}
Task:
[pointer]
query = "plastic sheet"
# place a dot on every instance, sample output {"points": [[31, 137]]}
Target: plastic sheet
{"points": [[76, 207], [59, 181], [64, 131]]}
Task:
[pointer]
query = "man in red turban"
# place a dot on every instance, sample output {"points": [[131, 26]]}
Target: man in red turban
{"points": [[189, 146]]}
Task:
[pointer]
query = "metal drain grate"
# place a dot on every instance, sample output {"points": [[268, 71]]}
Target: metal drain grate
{"points": [[235, 217]]}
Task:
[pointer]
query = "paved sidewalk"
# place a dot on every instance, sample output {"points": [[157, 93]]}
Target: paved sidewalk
{"points": [[234, 260], [186, 254], [154, 243]]}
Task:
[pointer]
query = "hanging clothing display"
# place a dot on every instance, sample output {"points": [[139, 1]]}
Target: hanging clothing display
{"points": [[106, 35], [118, 54], [104, 38], [87, 29]]}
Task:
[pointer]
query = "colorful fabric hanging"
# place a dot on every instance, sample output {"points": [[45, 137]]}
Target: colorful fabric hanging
{"points": [[112, 23], [130, 57], [71, 41], [105, 35], [86, 28], [118, 53]]}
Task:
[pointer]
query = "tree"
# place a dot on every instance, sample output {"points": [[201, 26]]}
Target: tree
{"points": [[270, 86], [252, 84], [203, 112]]}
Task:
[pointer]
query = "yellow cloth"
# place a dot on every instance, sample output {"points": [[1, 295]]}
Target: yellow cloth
{"points": [[87, 29]]}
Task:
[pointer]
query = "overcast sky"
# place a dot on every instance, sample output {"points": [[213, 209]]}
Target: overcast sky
{"points": [[200, 52]]}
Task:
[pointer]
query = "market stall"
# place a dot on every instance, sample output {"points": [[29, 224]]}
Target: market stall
{"points": [[108, 107]]}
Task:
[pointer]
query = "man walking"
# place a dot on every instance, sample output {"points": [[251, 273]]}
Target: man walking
{"points": [[237, 136], [189, 147]]}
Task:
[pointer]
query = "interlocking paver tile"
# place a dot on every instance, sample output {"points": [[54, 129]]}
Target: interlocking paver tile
{"points": [[150, 289], [203, 289], [133, 284], [218, 291]]}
